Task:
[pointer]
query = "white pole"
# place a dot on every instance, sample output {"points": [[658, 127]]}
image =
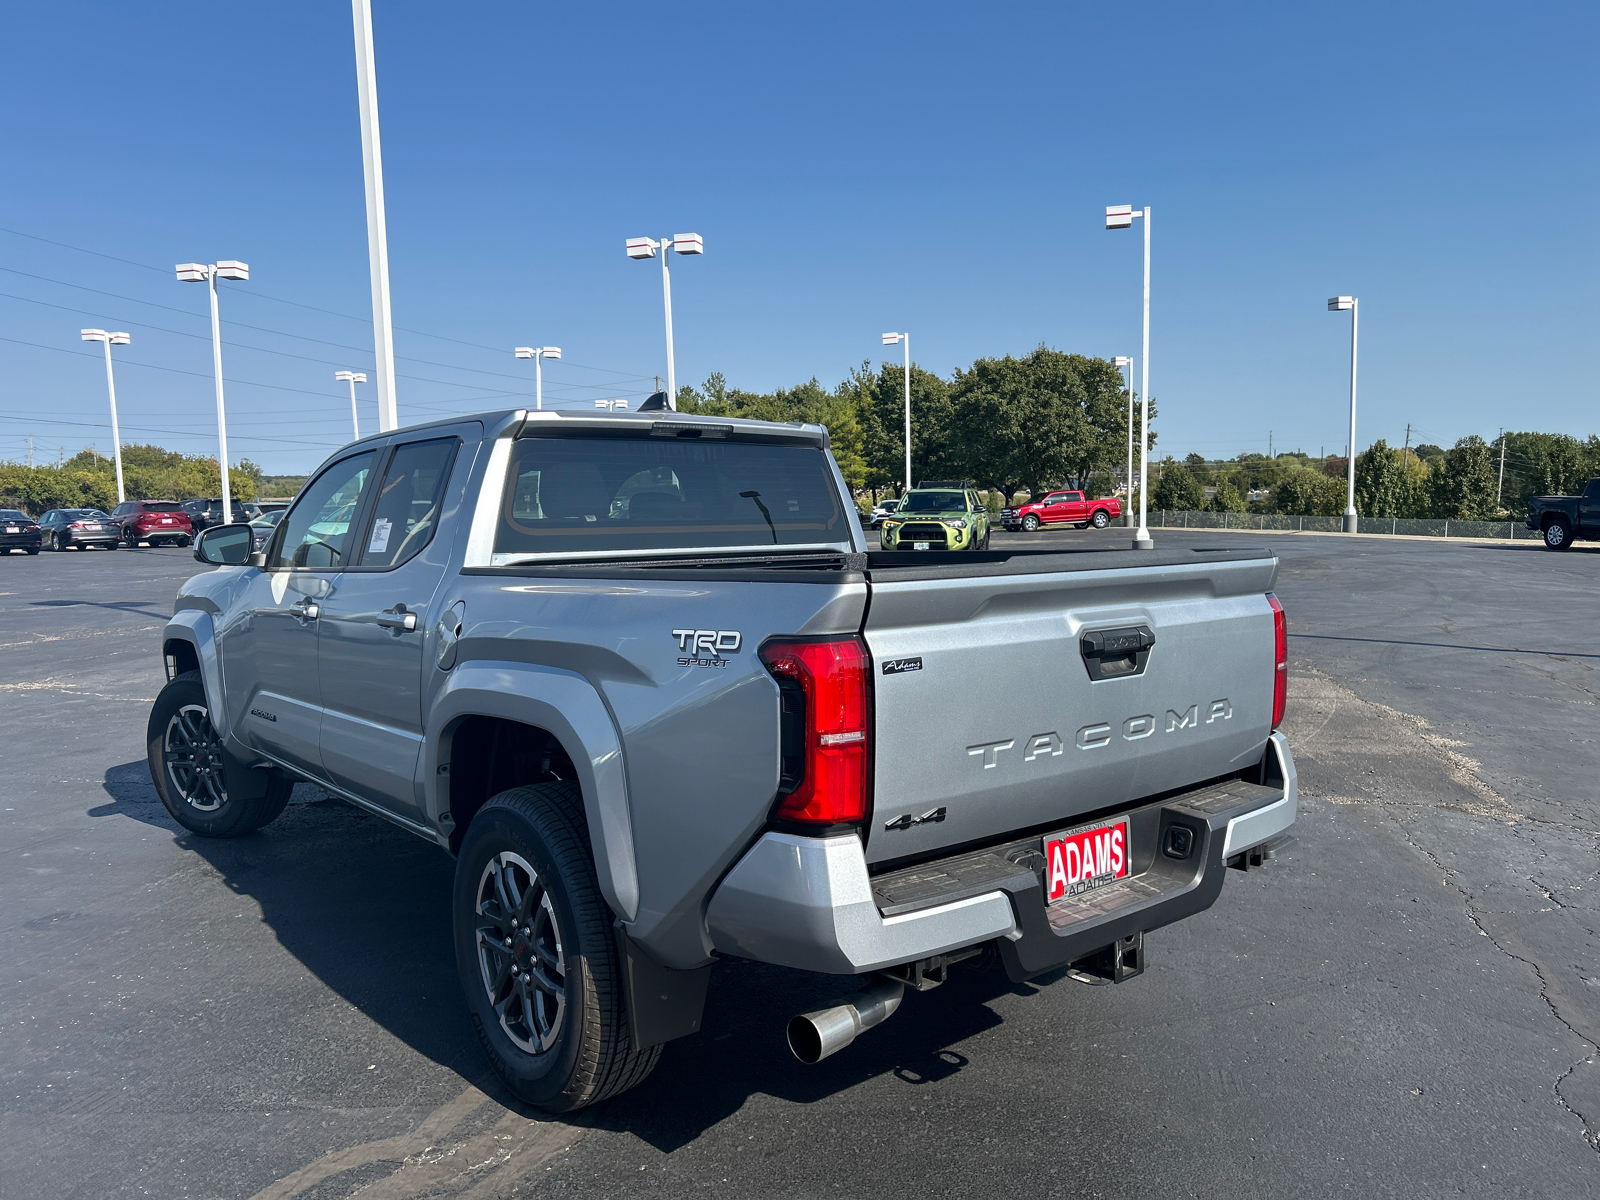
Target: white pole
{"points": [[377, 234], [1127, 512], [1350, 520], [666, 300], [906, 338], [1500, 487], [355, 418], [116, 435], [538, 378], [1141, 538], [222, 415]]}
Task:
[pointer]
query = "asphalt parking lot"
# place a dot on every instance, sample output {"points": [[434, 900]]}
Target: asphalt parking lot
{"points": [[1406, 1003]]}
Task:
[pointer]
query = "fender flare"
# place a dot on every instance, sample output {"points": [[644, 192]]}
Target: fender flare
{"points": [[569, 706], [195, 626]]}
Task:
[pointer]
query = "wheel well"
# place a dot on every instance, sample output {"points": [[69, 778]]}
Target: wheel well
{"points": [[488, 755], [181, 657], [1550, 518]]}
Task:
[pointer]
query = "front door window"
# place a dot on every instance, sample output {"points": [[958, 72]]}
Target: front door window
{"points": [[318, 533]]}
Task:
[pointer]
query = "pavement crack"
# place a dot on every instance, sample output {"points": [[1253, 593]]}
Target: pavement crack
{"points": [[1591, 1133]]}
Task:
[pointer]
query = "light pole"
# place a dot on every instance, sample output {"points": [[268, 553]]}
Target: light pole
{"points": [[352, 378], [1127, 513], [109, 340], [377, 228], [540, 353], [1339, 304], [683, 243], [890, 339], [1121, 216], [209, 273]]}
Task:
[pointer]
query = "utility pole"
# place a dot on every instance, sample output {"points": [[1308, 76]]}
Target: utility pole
{"points": [[30, 454], [1269, 443], [1500, 487], [1405, 455]]}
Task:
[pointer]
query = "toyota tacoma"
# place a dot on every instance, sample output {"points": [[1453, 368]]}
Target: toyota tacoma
{"points": [[642, 677]]}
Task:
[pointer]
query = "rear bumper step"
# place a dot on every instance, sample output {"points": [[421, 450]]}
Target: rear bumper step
{"points": [[810, 903]]}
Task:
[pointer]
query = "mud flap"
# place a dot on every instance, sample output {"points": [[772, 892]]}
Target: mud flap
{"points": [[663, 1004]]}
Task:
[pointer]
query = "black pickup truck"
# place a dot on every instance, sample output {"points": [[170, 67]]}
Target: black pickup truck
{"points": [[1565, 519]]}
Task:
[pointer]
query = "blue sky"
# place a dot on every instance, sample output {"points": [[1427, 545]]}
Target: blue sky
{"points": [[853, 168]]}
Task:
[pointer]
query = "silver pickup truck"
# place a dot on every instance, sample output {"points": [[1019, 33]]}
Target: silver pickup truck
{"points": [[643, 677]]}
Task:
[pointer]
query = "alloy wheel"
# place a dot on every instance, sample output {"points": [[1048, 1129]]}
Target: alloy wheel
{"points": [[193, 756], [520, 956]]}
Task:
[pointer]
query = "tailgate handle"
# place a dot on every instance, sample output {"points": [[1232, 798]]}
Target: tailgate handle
{"points": [[1117, 653]]}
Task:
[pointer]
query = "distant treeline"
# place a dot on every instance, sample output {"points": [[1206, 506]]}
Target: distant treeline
{"points": [[1461, 483], [1048, 419], [89, 480]]}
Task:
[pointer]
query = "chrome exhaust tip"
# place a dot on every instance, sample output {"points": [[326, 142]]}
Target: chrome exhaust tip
{"points": [[815, 1035]]}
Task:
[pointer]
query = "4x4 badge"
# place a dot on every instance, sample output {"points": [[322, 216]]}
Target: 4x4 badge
{"points": [[932, 817]]}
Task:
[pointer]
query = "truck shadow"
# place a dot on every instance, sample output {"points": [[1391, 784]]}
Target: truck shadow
{"points": [[365, 907]]}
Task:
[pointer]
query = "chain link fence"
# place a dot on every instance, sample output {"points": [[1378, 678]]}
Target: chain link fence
{"points": [[1418, 527]]}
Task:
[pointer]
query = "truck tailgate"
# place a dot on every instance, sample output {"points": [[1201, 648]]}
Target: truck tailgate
{"points": [[985, 707]]}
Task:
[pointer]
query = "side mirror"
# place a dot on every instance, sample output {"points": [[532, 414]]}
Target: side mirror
{"points": [[224, 545]]}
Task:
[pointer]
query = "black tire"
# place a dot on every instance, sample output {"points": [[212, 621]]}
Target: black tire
{"points": [[113, 545], [1100, 519], [563, 1043], [1557, 535], [34, 550], [1030, 523], [185, 752]]}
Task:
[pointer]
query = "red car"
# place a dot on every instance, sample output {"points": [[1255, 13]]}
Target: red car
{"points": [[153, 521], [1061, 508]]}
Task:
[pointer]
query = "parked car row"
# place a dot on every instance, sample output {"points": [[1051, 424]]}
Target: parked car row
{"points": [[131, 523]]}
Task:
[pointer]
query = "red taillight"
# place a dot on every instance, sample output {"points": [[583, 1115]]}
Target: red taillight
{"points": [[827, 713], [1280, 650], [77, 525]]}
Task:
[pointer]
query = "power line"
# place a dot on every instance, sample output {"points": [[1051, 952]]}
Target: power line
{"points": [[257, 294]]}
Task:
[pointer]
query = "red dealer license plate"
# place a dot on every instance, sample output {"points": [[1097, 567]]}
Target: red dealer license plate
{"points": [[1079, 862]]}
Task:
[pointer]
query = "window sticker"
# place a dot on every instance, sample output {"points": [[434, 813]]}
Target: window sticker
{"points": [[380, 536]]}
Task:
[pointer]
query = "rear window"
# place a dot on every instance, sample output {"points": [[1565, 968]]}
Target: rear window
{"points": [[163, 508], [11, 514], [585, 495]]}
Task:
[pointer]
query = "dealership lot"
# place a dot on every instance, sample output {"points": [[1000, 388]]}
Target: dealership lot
{"points": [[1406, 1002]]}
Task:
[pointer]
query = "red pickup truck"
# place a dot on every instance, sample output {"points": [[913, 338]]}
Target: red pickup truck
{"points": [[1061, 508]]}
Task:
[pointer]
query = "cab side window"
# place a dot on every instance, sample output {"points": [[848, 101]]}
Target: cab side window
{"points": [[407, 508], [317, 528]]}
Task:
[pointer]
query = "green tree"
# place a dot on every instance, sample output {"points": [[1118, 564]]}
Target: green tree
{"points": [[1382, 484], [1177, 489], [1464, 490], [1047, 420], [1227, 498], [1303, 491]]}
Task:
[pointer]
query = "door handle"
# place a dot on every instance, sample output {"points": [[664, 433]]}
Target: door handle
{"points": [[398, 620], [306, 611]]}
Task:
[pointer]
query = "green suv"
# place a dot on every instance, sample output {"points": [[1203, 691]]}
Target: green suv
{"points": [[936, 518]]}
